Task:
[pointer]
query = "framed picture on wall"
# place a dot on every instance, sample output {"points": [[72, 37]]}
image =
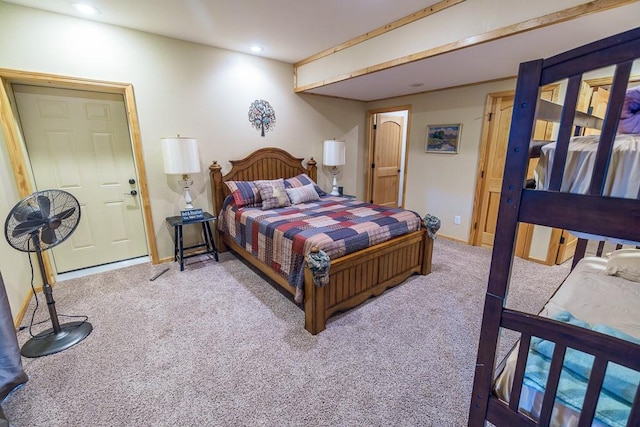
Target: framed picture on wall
{"points": [[444, 139]]}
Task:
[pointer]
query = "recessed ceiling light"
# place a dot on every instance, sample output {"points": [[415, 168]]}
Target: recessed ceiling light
{"points": [[256, 49], [416, 84], [86, 9]]}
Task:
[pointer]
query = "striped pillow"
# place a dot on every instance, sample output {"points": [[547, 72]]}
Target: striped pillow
{"points": [[245, 193], [306, 193], [300, 180], [273, 194]]}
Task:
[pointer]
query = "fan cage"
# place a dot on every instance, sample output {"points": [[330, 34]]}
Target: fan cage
{"points": [[32, 208]]}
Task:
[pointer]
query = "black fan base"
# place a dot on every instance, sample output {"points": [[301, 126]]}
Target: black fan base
{"points": [[49, 342]]}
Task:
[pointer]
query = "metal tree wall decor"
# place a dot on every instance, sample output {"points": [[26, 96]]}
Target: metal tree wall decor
{"points": [[262, 116]]}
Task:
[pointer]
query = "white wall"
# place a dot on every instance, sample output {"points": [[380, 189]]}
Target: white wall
{"points": [[180, 88], [444, 184]]}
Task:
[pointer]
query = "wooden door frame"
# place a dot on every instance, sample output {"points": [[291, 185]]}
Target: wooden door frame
{"points": [[525, 234], [370, 139], [18, 155], [482, 163]]}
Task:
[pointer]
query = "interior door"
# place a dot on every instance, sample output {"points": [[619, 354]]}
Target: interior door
{"points": [[598, 107], [387, 147], [79, 142], [498, 139], [497, 150]]}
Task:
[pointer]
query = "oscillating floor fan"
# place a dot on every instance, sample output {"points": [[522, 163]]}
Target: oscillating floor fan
{"points": [[37, 223]]}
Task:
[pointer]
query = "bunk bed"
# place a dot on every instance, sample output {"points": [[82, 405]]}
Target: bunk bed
{"points": [[608, 338], [353, 276]]}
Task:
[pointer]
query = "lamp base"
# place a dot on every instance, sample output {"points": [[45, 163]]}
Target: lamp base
{"points": [[186, 183], [334, 189]]}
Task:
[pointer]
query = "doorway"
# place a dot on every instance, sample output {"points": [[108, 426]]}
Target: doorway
{"points": [[495, 138], [78, 141], [387, 142], [18, 151]]}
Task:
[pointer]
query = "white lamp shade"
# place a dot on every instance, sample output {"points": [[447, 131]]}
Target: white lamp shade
{"points": [[180, 156], [334, 153]]}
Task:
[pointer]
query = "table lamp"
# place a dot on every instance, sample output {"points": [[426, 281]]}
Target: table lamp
{"points": [[180, 157], [334, 156]]}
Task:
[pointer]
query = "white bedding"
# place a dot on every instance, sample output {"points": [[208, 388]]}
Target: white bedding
{"points": [[594, 297], [623, 176]]}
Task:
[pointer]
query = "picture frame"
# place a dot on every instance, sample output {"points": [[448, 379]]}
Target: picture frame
{"points": [[443, 139]]}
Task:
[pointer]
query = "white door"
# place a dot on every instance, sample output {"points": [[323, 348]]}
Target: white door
{"points": [[79, 142]]}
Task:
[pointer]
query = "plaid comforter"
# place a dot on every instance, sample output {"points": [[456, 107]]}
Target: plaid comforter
{"points": [[339, 226]]}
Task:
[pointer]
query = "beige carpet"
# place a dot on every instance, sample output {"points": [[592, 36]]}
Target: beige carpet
{"points": [[216, 345]]}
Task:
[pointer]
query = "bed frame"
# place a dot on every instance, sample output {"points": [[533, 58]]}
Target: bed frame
{"points": [[605, 216], [353, 278]]}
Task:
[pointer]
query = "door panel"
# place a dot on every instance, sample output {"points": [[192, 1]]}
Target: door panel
{"points": [[79, 142], [598, 107], [498, 140], [387, 151]]}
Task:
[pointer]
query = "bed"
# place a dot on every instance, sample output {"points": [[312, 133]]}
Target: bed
{"points": [[506, 393], [622, 178], [353, 277]]}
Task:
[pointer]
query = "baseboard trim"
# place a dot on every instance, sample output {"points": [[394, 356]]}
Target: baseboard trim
{"points": [[453, 239]]}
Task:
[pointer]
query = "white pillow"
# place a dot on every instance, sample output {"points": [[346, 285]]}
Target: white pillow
{"points": [[306, 193], [625, 263]]}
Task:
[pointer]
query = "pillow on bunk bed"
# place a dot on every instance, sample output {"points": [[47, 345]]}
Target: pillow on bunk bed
{"points": [[273, 194], [245, 193], [630, 116], [624, 263], [306, 193]]}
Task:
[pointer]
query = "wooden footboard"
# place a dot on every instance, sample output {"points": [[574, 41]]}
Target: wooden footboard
{"points": [[356, 277]]}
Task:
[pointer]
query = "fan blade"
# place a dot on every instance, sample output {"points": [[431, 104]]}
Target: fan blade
{"points": [[64, 214], [27, 227], [26, 213], [48, 236], [45, 206]]}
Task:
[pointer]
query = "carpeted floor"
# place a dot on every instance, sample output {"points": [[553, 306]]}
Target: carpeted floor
{"points": [[217, 346]]}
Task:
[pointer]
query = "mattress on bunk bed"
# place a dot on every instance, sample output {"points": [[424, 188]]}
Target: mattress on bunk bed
{"points": [[623, 176], [589, 298]]}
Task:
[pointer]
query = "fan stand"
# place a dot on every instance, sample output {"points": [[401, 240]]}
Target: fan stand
{"points": [[59, 337]]}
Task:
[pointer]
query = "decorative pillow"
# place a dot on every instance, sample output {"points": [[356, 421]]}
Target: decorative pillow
{"points": [[301, 180], [245, 193], [306, 193], [273, 194], [625, 263]]}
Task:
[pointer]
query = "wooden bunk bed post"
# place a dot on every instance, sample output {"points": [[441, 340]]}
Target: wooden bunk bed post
{"points": [[527, 95]]}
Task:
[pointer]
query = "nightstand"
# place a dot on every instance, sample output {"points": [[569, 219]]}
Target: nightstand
{"points": [[178, 248]]}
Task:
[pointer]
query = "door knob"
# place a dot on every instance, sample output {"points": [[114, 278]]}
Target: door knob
{"points": [[132, 181], [131, 193]]}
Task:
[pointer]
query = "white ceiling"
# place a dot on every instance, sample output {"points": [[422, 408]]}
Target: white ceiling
{"points": [[292, 30]]}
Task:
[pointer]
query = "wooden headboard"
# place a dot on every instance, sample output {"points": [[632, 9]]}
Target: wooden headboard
{"points": [[265, 163]]}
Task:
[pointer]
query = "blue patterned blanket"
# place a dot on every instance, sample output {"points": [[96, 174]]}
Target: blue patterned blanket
{"points": [[282, 237], [620, 383]]}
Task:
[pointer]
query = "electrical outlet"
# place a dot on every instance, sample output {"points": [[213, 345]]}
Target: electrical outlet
{"points": [[456, 219]]}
